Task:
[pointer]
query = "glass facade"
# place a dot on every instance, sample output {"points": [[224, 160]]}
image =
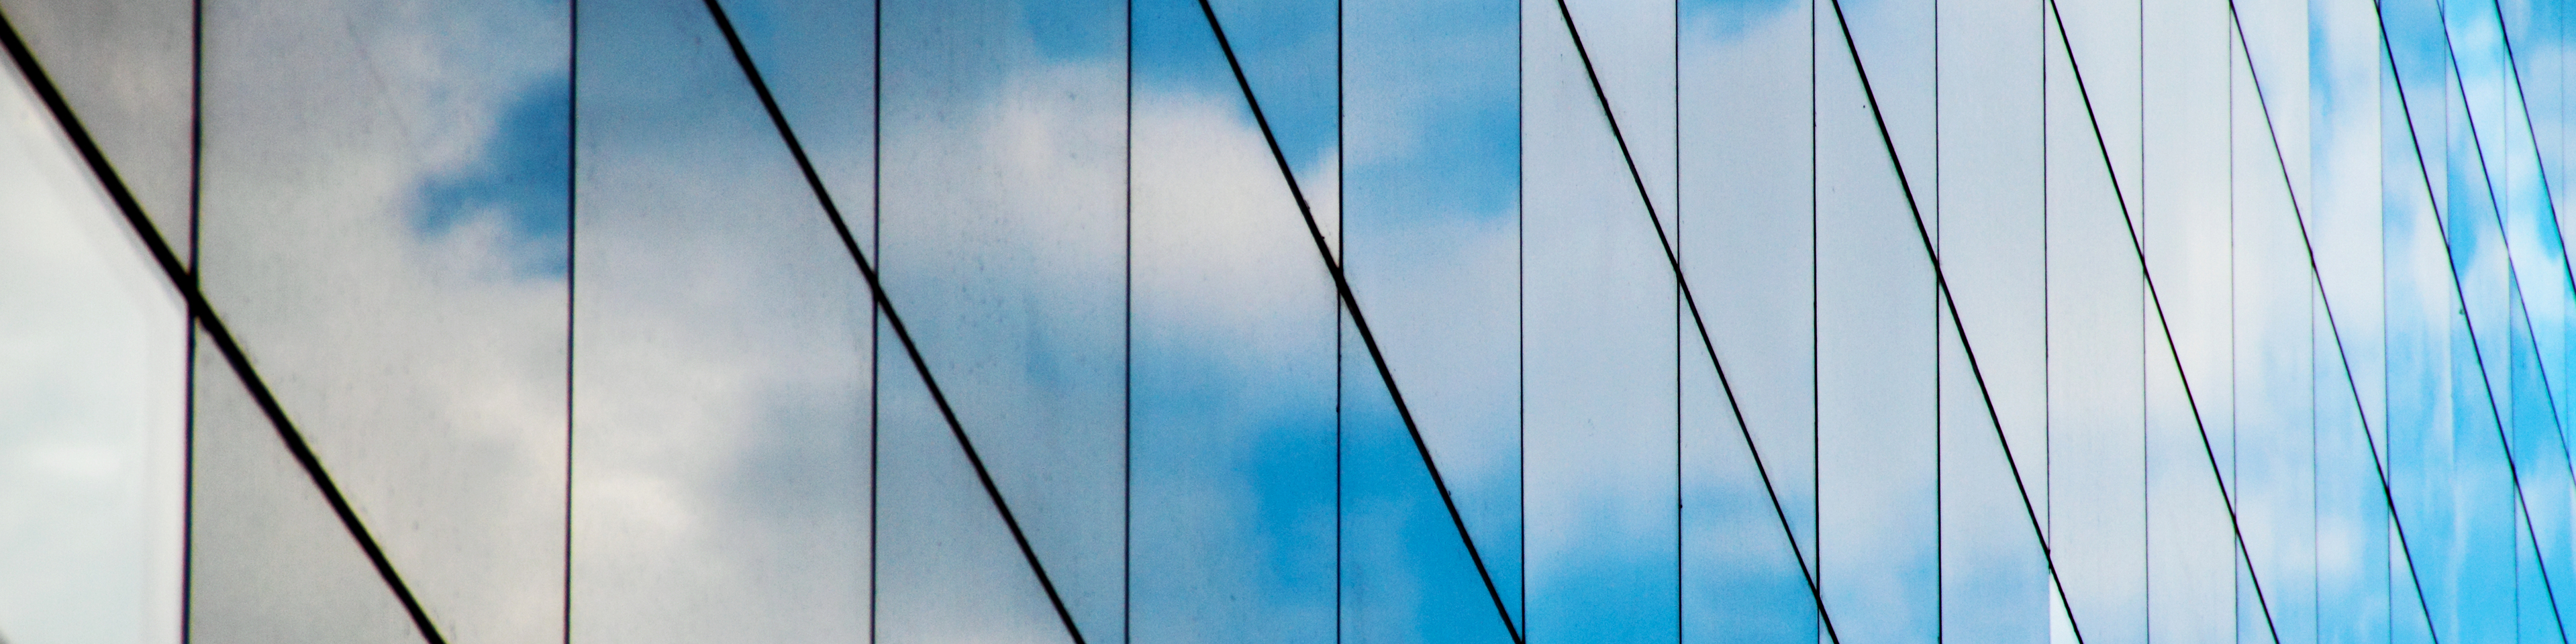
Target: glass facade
{"points": [[1545, 321]]}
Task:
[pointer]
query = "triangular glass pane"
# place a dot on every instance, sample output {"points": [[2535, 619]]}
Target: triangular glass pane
{"points": [[948, 569], [268, 561], [127, 69], [1406, 576]]}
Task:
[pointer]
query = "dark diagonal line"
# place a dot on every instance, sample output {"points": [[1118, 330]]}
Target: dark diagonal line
{"points": [[1350, 302], [1958, 323], [2459, 288], [2172, 349], [1673, 259], [185, 282], [2548, 197], [2504, 236], [2317, 273], [876, 290], [2513, 278]]}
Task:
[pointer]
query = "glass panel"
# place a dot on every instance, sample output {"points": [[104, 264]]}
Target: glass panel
{"points": [[724, 434], [1602, 341], [1993, 234], [2364, 592], [383, 229], [2280, 338], [2193, 408], [948, 566], [2097, 333], [2443, 449], [1877, 321], [1004, 248], [389, 186], [92, 388], [2536, 280], [1747, 239], [2414, 343], [1431, 232], [127, 68], [1233, 329], [268, 561]]}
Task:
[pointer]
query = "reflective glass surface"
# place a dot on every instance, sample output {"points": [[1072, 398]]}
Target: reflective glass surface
{"points": [[93, 388], [1276, 320]]}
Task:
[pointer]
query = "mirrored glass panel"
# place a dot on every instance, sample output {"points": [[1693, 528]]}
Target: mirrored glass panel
{"points": [[723, 434], [1002, 240], [1233, 508], [383, 231], [93, 388], [129, 68], [1746, 239], [1431, 233], [1184, 320]]}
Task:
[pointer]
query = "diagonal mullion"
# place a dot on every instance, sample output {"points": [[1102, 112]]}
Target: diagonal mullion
{"points": [[1350, 302], [2317, 273], [2459, 290], [877, 292], [185, 282]]}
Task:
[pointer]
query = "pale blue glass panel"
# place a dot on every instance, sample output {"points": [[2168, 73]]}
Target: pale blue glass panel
{"points": [[2183, 218], [2544, 496], [92, 402], [1877, 325], [1992, 241], [1747, 238], [948, 569], [2449, 472], [2097, 327], [1431, 232], [2283, 407], [2491, 522], [383, 229], [723, 437], [2508, 174], [2536, 32], [2364, 592], [1233, 515], [1003, 235], [1405, 574], [125, 68], [1602, 327], [2415, 340], [2518, 159]]}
